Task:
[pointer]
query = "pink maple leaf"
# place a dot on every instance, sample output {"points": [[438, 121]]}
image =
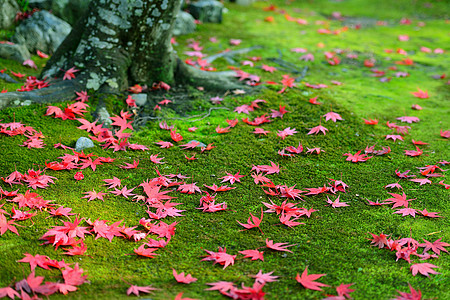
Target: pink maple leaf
{"points": [[317, 129]]}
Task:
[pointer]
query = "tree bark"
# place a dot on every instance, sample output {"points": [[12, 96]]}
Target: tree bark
{"points": [[119, 43]]}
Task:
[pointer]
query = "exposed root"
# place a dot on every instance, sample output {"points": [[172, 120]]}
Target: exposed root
{"points": [[218, 81], [230, 54], [57, 92]]}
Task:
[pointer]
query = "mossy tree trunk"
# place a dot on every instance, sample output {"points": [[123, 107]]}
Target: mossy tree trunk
{"points": [[119, 43]]}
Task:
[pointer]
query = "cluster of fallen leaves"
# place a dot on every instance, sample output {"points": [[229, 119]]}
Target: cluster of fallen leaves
{"points": [[32, 285], [407, 248]]}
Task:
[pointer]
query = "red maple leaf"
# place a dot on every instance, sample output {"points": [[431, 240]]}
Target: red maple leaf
{"points": [[423, 268], [436, 246], [412, 295], [406, 211], [222, 188], [134, 289], [10, 292], [371, 121], [220, 257], [287, 81], [61, 211], [183, 278], [94, 195], [314, 101], [7, 225], [124, 192], [409, 119], [420, 94], [422, 181], [273, 168], [398, 200], [121, 121], [69, 74], [380, 240], [428, 214], [37, 260], [232, 178], [308, 281], [357, 157], [344, 291], [317, 129], [253, 254], [332, 116], [130, 166], [416, 152], [142, 251], [286, 220], [112, 183], [263, 278], [278, 246], [163, 144], [190, 188], [255, 220], [222, 130], [260, 131], [155, 159], [190, 145], [336, 202], [285, 132], [176, 137]]}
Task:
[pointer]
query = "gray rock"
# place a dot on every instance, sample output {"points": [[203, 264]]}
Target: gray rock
{"points": [[207, 11], [184, 24], [42, 31], [15, 52], [83, 143], [103, 116], [140, 99], [8, 11]]}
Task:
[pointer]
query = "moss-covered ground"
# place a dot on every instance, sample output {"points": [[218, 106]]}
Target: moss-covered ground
{"points": [[333, 241]]}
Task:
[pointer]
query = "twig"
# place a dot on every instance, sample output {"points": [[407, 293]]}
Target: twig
{"points": [[228, 54]]}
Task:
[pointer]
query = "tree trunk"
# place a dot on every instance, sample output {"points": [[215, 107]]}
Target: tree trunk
{"points": [[119, 43]]}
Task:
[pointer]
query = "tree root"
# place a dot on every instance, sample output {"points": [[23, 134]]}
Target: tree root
{"points": [[230, 54], [57, 92], [218, 81]]}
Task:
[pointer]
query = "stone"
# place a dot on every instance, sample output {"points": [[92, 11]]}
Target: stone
{"points": [[139, 99], [184, 24], [83, 143], [103, 116], [8, 11], [42, 31], [207, 11], [15, 52]]}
